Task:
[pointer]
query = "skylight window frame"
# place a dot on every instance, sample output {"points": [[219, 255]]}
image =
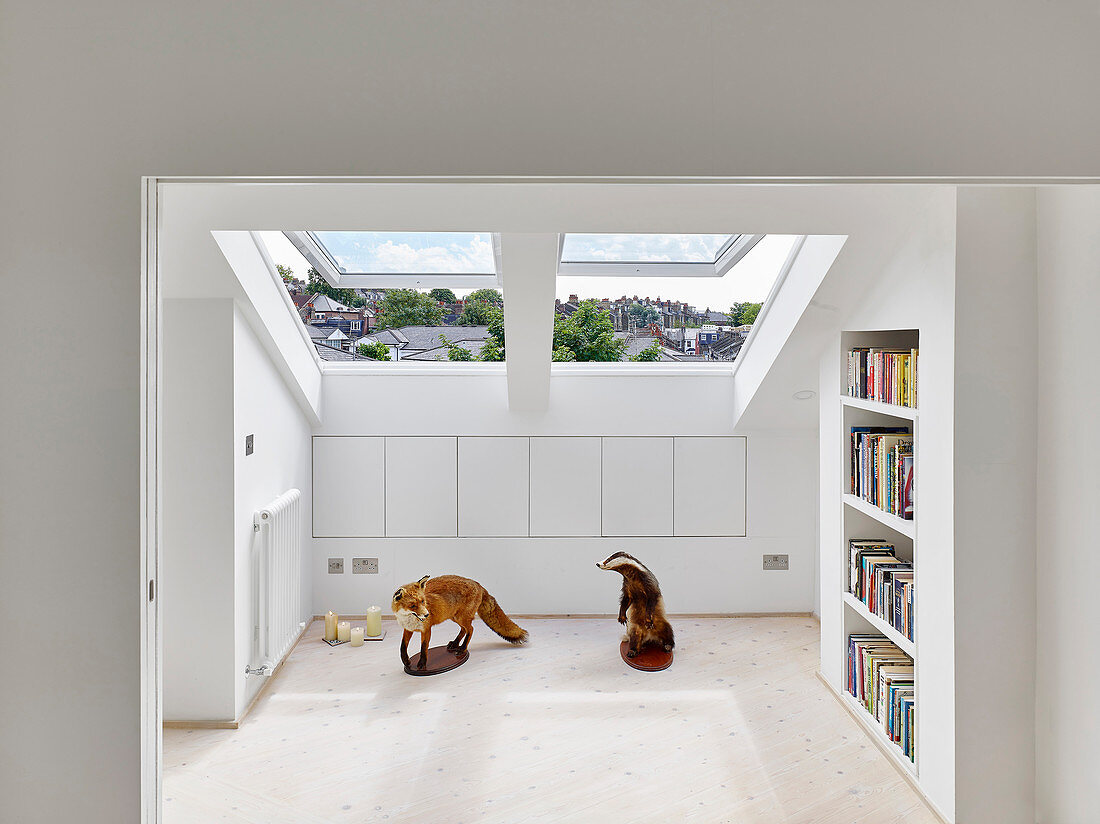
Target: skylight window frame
{"points": [[727, 257], [319, 258]]}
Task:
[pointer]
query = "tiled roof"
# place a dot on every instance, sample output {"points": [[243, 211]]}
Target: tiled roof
{"points": [[440, 353], [328, 353], [427, 337]]}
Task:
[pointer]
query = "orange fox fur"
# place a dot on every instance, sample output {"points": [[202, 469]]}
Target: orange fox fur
{"points": [[421, 605]]}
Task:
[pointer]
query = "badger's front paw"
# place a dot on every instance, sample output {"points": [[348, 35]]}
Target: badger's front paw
{"points": [[622, 619], [630, 653], [668, 647]]}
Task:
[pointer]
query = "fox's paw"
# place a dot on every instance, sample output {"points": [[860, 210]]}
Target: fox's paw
{"points": [[452, 646], [630, 653]]}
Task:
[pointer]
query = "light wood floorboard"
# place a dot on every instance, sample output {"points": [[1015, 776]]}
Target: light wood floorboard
{"points": [[737, 730]]}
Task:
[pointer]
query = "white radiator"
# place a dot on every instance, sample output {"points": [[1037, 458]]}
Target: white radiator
{"points": [[278, 577]]}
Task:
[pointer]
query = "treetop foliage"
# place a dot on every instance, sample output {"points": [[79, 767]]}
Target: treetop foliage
{"points": [[408, 307]]}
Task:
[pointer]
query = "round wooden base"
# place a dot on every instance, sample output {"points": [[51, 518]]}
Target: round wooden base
{"points": [[649, 658], [440, 659]]}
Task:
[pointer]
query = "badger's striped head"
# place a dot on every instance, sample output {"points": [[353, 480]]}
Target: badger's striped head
{"points": [[622, 562]]}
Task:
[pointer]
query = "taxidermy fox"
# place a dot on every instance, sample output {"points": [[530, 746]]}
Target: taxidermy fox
{"points": [[641, 606], [421, 605]]}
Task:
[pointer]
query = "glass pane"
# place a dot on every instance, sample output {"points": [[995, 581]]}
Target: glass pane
{"points": [[413, 253], [580, 248]]}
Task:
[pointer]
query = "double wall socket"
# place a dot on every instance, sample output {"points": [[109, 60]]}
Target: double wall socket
{"points": [[776, 562], [335, 566], [364, 566]]}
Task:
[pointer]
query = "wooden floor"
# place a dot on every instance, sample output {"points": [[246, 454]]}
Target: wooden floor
{"points": [[739, 729]]}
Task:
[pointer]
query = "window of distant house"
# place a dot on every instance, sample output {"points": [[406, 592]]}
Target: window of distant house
{"points": [[674, 298]]}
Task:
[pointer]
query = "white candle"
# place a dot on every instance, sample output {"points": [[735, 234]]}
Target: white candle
{"points": [[374, 621], [357, 636], [330, 625], [343, 631]]}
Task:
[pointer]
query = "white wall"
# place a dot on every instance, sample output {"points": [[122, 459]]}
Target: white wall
{"points": [[996, 352], [557, 575], [110, 91], [197, 593], [263, 406], [220, 385], [1068, 565]]}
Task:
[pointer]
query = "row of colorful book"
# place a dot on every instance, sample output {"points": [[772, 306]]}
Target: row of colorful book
{"points": [[881, 678], [886, 375], [883, 582], [881, 467]]}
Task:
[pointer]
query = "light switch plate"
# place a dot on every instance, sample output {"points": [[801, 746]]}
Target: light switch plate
{"points": [[364, 566], [776, 562], [335, 566]]}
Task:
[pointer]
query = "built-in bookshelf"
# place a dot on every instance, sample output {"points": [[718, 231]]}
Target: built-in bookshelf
{"points": [[880, 467]]}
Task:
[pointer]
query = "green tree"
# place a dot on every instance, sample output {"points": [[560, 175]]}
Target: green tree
{"points": [[408, 307], [456, 352], [443, 295], [317, 285], [643, 315], [487, 296], [375, 351], [589, 334], [562, 354], [650, 353], [285, 272], [742, 314], [492, 350], [476, 313]]}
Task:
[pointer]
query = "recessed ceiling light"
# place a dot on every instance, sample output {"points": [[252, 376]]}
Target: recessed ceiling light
{"points": [[804, 395]]}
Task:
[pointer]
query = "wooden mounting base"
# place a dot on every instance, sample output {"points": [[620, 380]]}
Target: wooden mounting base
{"points": [[440, 659], [649, 658]]}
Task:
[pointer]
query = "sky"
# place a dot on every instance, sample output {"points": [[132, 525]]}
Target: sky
{"points": [[750, 280]]}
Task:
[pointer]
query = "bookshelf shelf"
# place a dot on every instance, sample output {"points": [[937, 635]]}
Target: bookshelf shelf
{"points": [[899, 525], [878, 734], [884, 366], [860, 609], [893, 410]]}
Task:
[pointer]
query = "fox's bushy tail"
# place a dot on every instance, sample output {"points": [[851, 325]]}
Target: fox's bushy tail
{"points": [[495, 619]]}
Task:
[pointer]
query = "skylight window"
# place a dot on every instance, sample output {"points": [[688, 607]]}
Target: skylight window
{"points": [[403, 259], [409, 253], [643, 248], [652, 255]]}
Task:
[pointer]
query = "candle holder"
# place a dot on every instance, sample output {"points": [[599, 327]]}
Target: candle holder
{"points": [[335, 643], [375, 637]]}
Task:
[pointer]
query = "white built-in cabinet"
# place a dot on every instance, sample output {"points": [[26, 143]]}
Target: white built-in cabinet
{"points": [[553, 487], [637, 486], [493, 495], [709, 486], [565, 487], [422, 487], [349, 487]]}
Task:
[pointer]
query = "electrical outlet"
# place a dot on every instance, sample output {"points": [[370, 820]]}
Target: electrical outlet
{"points": [[776, 562], [335, 566], [364, 566], [249, 444]]}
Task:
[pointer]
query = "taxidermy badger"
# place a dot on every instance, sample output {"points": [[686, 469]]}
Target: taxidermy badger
{"points": [[641, 606], [421, 605]]}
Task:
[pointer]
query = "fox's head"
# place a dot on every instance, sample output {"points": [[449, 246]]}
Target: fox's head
{"points": [[410, 603]]}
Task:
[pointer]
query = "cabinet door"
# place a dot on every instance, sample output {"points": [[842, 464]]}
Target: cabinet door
{"points": [[565, 487], [493, 494], [637, 486], [421, 487], [348, 487], [710, 486]]}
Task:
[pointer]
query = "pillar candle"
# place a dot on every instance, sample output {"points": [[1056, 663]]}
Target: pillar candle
{"points": [[330, 626], [374, 621], [357, 636], [343, 631]]}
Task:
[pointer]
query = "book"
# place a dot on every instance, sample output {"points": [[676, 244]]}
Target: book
{"points": [[882, 679]]}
